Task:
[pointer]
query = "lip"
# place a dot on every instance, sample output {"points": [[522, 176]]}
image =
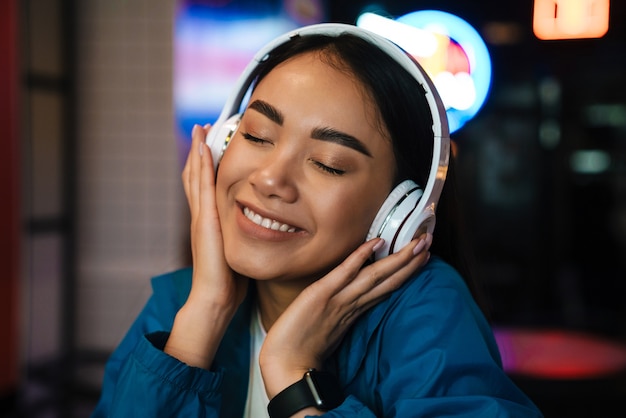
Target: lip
{"points": [[259, 232]]}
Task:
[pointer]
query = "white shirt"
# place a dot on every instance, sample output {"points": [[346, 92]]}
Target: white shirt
{"points": [[256, 404]]}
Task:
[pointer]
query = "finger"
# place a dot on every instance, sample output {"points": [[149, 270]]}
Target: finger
{"points": [[186, 173], [424, 242], [193, 179], [206, 198], [377, 280], [345, 272], [413, 254], [387, 274], [382, 291]]}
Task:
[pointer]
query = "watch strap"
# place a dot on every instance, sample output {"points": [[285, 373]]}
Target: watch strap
{"points": [[316, 388]]}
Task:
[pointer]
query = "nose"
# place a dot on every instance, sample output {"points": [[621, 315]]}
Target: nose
{"points": [[275, 177]]}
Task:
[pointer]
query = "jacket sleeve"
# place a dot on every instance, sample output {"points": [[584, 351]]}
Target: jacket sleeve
{"points": [[141, 380], [431, 353]]}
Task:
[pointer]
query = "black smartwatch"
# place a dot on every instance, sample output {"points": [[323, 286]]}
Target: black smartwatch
{"points": [[316, 388]]}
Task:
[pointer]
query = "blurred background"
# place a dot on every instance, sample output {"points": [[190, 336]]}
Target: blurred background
{"points": [[98, 99]]}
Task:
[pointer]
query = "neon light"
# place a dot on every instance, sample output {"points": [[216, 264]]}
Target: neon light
{"points": [[213, 42], [211, 50], [423, 44], [558, 354], [459, 65], [590, 161], [570, 19]]}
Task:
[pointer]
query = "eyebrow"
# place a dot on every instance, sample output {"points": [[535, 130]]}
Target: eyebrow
{"points": [[268, 111], [341, 138], [322, 134]]}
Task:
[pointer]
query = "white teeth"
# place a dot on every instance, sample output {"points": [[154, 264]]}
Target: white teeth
{"points": [[267, 223]]}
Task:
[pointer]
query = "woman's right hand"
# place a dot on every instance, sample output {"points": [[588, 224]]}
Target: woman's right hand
{"points": [[216, 291]]}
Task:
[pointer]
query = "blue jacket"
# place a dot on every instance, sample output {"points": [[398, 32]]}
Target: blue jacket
{"points": [[426, 351]]}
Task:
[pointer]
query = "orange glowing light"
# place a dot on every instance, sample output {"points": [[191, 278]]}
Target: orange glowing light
{"points": [[570, 19]]}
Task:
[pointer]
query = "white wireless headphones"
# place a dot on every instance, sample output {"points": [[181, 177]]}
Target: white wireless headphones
{"points": [[409, 209]]}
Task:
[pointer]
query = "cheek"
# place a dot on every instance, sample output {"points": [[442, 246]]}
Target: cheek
{"points": [[350, 213], [226, 178], [230, 168], [225, 162]]}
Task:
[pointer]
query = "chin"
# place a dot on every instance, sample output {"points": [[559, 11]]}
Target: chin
{"points": [[256, 268], [269, 269]]}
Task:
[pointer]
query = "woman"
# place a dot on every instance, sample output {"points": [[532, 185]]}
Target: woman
{"points": [[284, 301]]}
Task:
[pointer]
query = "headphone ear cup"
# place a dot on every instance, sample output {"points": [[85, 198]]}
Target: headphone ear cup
{"points": [[394, 221], [219, 137]]}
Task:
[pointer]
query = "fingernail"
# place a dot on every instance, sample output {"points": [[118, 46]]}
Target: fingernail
{"points": [[419, 247], [378, 245], [201, 148]]}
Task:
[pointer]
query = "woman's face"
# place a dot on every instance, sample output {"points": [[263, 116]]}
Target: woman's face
{"points": [[305, 174]]}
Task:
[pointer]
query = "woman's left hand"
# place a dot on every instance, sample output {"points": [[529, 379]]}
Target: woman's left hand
{"points": [[314, 323]]}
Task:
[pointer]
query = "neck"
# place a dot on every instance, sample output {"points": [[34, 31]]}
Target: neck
{"points": [[273, 298]]}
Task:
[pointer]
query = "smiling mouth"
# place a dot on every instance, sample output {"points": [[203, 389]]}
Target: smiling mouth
{"points": [[266, 222]]}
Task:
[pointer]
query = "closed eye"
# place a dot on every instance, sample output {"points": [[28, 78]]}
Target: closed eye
{"points": [[327, 169], [253, 138]]}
